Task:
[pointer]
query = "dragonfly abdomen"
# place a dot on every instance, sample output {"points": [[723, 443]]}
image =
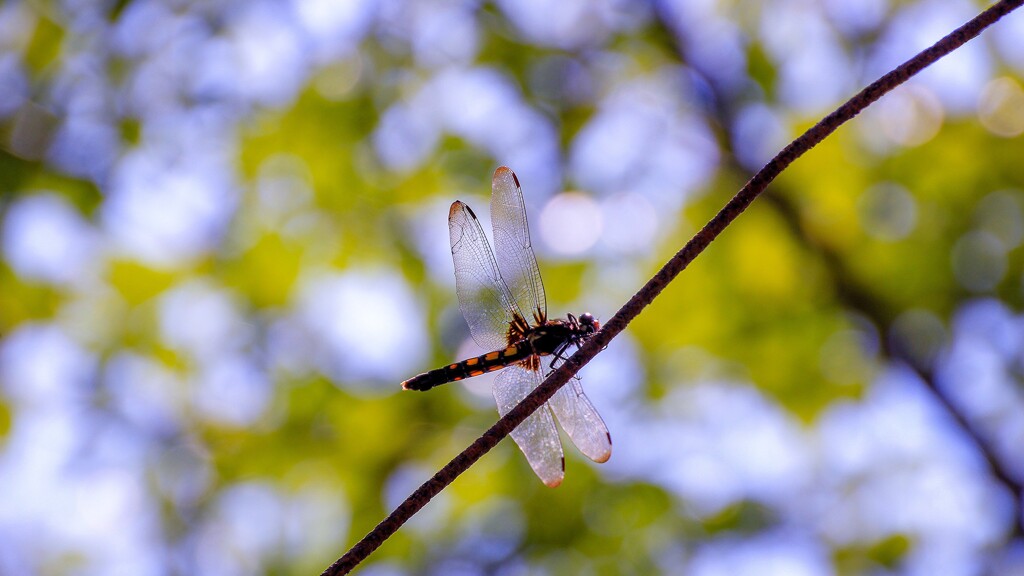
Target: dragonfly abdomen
{"points": [[471, 367]]}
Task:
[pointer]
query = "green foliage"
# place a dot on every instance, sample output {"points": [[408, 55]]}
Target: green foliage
{"points": [[886, 553], [138, 283], [742, 517], [44, 47], [274, 262]]}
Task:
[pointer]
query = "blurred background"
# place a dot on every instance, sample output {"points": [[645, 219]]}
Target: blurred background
{"points": [[224, 244]]}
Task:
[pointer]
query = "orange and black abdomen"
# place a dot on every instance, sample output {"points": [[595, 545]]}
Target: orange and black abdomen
{"points": [[468, 368]]}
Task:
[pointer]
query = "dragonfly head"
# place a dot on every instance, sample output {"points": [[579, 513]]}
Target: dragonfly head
{"points": [[588, 323]]}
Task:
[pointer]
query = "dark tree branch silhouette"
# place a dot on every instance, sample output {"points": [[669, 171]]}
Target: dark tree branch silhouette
{"points": [[862, 300], [851, 293], [617, 323]]}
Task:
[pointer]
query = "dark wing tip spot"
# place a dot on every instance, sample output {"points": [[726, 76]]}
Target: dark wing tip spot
{"points": [[608, 434], [500, 173], [563, 463], [460, 205]]}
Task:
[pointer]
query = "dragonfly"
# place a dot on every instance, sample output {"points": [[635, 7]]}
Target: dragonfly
{"points": [[493, 293]]}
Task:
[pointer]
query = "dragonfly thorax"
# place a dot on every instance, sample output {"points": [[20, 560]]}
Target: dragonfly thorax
{"points": [[554, 336]]}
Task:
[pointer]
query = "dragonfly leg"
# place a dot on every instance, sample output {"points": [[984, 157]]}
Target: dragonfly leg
{"points": [[559, 355]]}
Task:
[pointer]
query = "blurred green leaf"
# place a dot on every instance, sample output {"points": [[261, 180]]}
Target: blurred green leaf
{"points": [[45, 46], [136, 282]]}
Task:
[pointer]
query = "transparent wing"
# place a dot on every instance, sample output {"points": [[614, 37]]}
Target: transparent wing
{"points": [[484, 298], [512, 245], [584, 426], [537, 436]]}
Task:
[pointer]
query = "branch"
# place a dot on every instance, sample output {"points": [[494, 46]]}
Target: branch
{"points": [[862, 300], [655, 285]]}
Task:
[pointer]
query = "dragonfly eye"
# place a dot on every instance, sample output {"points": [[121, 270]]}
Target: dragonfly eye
{"points": [[589, 323]]}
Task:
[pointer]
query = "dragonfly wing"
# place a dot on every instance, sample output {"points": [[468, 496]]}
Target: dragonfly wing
{"points": [[485, 300], [537, 436], [512, 243], [577, 416]]}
